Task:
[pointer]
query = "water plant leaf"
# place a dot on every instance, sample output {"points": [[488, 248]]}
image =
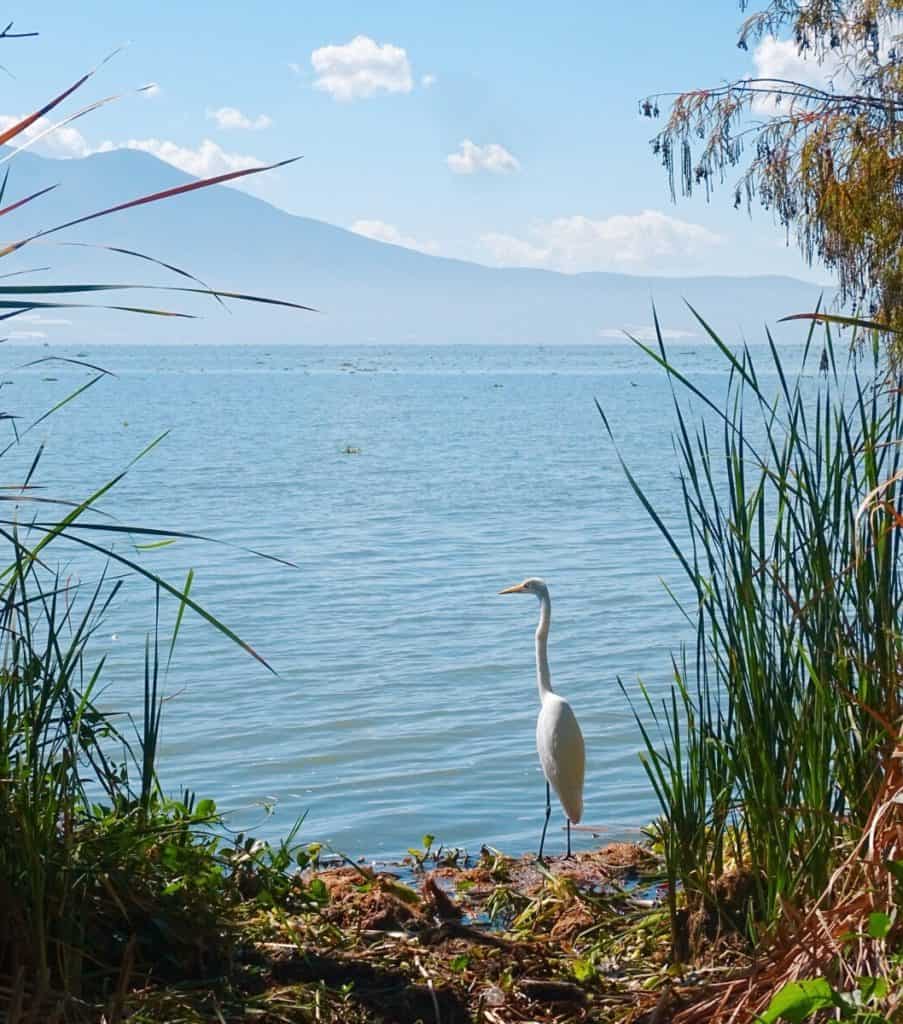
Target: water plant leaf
{"points": [[75, 289], [50, 129], [189, 579], [151, 197], [583, 970], [205, 809], [143, 256], [144, 531], [843, 321], [799, 1000], [22, 202], [27, 305], [873, 988], [27, 122], [879, 925], [173, 592]]}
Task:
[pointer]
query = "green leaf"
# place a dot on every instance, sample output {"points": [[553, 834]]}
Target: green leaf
{"points": [[153, 545], [879, 925], [872, 988], [428, 841], [459, 963], [318, 891], [205, 809], [798, 1000], [583, 970]]}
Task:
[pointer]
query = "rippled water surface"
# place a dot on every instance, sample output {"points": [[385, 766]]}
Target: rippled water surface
{"points": [[408, 486]]}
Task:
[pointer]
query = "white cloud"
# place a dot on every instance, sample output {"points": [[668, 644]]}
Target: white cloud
{"points": [[232, 117], [207, 160], [361, 69], [427, 81], [644, 241], [380, 231], [515, 252], [645, 332], [471, 158], [63, 143], [781, 58]]}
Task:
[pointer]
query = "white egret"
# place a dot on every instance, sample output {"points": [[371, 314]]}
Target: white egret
{"points": [[559, 740]]}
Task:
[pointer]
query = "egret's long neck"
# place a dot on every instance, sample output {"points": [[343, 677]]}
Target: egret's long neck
{"points": [[543, 677]]}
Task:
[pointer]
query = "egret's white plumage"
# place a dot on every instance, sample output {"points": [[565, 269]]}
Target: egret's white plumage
{"points": [[559, 740], [561, 754]]}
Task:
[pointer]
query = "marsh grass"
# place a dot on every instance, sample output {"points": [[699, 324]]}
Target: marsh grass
{"points": [[103, 877], [769, 751]]}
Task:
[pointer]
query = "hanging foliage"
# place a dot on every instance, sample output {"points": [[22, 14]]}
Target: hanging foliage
{"points": [[826, 159]]}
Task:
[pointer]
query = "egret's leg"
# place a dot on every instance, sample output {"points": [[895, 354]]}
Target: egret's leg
{"points": [[569, 837], [545, 824]]}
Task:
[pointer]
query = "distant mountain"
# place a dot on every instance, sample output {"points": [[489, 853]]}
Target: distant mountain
{"points": [[367, 291]]}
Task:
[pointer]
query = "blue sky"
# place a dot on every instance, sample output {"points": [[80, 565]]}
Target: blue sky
{"points": [[505, 133]]}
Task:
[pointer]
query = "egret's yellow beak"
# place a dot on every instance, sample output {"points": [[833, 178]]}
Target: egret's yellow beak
{"points": [[516, 589]]}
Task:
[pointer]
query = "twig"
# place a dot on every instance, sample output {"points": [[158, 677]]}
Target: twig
{"points": [[429, 985], [6, 34]]}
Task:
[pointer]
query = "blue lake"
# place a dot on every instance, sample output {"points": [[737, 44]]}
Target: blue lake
{"points": [[407, 485]]}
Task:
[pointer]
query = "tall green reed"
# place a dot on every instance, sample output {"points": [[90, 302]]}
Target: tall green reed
{"points": [[768, 752]]}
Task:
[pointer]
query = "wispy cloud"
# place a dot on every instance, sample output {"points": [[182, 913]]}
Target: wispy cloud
{"points": [[645, 241], [782, 59], [361, 69], [380, 231], [492, 157], [61, 143], [232, 117], [206, 160], [427, 81]]}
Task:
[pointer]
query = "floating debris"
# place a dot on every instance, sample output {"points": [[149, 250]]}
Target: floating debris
{"points": [[350, 449]]}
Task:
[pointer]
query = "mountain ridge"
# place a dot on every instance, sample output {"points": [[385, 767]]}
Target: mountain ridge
{"points": [[370, 291]]}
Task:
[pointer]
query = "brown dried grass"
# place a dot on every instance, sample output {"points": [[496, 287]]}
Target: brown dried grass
{"points": [[830, 938]]}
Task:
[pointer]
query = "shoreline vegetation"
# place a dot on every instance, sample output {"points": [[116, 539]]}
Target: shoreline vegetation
{"points": [[771, 884], [769, 888]]}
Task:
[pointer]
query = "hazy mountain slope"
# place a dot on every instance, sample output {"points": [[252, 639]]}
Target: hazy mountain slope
{"points": [[368, 291]]}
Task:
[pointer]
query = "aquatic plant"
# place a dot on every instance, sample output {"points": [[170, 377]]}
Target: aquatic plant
{"points": [[773, 748], [101, 874]]}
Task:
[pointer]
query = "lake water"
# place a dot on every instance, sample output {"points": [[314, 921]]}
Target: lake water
{"points": [[408, 486]]}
